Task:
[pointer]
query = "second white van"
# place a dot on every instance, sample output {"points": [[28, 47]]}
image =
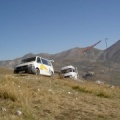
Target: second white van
{"points": [[69, 72]]}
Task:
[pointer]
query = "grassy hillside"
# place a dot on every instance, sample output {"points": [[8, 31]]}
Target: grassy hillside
{"points": [[54, 98], [4, 71]]}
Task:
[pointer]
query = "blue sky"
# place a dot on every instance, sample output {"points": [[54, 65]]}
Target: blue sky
{"points": [[53, 26]]}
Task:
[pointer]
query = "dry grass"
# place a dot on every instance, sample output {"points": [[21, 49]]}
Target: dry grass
{"points": [[4, 71], [45, 98]]}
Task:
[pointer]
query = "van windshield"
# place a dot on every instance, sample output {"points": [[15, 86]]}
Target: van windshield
{"points": [[28, 60], [66, 71]]}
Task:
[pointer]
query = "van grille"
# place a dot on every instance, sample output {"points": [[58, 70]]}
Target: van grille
{"points": [[67, 77], [22, 68]]}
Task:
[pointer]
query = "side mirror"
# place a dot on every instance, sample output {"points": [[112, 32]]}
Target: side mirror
{"points": [[51, 60]]}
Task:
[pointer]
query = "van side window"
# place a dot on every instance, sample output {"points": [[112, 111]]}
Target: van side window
{"points": [[46, 62], [38, 60]]}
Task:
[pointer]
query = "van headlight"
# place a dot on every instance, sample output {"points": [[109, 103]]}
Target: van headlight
{"points": [[30, 65]]}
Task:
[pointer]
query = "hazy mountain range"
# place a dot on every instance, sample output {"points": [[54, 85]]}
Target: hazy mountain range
{"points": [[71, 56], [75, 56]]}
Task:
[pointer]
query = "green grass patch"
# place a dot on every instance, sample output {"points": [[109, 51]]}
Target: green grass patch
{"points": [[103, 94], [98, 92], [81, 89], [5, 94]]}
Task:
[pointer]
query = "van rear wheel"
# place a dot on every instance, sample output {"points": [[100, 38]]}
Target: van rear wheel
{"points": [[37, 71], [51, 73]]}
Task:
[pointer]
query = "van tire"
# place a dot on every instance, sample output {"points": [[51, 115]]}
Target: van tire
{"points": [[37, 71], [15, 72], [51, 73]]}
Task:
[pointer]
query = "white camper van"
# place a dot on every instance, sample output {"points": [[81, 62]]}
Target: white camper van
{"points": [[36, 65], [69, 72]]}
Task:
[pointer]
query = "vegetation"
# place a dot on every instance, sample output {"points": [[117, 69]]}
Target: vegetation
{"points": [[55, 98]]}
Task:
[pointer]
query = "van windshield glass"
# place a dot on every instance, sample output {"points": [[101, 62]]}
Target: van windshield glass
{"points": [[66, 71], [28, 60]]}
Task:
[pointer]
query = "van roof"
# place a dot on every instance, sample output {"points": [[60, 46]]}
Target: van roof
{"points": [[38, 56], [67, 67]]}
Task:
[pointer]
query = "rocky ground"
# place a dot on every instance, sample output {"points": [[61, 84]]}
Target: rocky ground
{"points": [[31, 97]]}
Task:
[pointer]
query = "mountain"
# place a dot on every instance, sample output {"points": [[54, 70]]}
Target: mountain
{"points": [[66, 57], [112, 54], [75, 56]]}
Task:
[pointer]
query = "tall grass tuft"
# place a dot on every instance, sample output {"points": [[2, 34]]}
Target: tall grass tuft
{"points": [[92, 90], [82, 89], [8, 93], [102, 94]]}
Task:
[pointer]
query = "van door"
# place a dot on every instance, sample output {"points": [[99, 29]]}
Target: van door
{"points": [[39, 62], [45, 67]]}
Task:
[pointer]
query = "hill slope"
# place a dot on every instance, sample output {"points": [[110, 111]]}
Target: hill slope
{"points": [[43, 98]]}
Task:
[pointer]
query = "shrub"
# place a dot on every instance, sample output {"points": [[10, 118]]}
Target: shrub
{"points": [[82, 89], [96, 91], [102, 94], [6, 93]]}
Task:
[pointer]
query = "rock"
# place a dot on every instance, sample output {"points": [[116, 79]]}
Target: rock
{"points": [[3, 109], [18, 113], [50, 90], [99, 82], [69, 92], [112, 87]]}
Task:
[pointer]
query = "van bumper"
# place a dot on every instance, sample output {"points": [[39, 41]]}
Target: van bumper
{"points": [[25, 69]]}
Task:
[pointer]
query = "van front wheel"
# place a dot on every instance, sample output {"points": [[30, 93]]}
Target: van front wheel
{"points": [[37, 71]]}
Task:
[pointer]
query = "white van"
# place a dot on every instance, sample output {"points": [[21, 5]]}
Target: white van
{"points": [[36, 65], [69, 72]]}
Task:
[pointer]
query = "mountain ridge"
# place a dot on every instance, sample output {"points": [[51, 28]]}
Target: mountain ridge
{"points": [[112, 53], [74, 55], [71, 55]]}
